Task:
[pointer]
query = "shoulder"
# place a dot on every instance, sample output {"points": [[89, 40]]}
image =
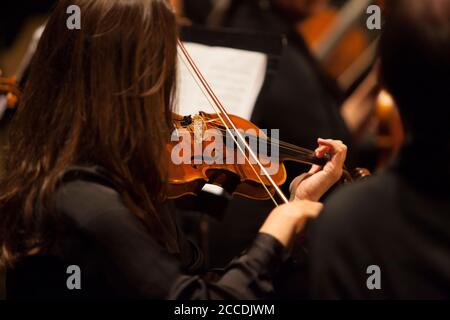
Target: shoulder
{"points": [[360, 208], [89, 200], [349, 234]]}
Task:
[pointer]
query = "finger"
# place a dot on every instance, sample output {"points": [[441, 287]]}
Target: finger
{"points": [[340, 157], [335, 145], [321, 151], [328, 142], [336, 164], [338, 147]]}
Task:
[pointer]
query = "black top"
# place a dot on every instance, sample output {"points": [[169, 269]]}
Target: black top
{"points": [[398, 221], [118, 258]]}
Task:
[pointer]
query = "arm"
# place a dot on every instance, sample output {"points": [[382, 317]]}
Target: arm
{"points": [[135, 265]]}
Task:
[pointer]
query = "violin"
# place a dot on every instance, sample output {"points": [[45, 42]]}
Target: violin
{"points": [[237, 179]]}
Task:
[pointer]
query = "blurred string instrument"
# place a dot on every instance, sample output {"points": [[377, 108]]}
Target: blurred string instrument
{"points": [[10, 86], [251, 178], [9, 91], [390, 133], [334, 37], [342, 46]]}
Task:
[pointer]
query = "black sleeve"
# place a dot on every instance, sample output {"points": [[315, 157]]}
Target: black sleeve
{"points": [[137, 266]]}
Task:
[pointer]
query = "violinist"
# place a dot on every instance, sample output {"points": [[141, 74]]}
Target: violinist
{"points": [[85, 172], [399, 220]]}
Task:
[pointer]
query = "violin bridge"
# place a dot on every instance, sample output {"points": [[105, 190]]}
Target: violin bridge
{"points": [[199, 127]]}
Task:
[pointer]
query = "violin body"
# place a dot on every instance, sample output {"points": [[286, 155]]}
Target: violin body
{"points": [[235, 177]]}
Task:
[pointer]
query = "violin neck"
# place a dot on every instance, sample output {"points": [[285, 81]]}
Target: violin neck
{"points": [[302, 157]]}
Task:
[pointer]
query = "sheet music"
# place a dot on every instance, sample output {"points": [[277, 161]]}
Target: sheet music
{"points": [[236, 76]]}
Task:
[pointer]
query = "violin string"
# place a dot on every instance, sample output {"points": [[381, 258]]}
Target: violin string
{"points": [[300, 154], [283, 145], [223, 113], [276, 141], [272, 142], [209, 98]]}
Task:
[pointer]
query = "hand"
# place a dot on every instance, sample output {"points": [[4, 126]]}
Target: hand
{"points": [[314, 184], [288, 220]]}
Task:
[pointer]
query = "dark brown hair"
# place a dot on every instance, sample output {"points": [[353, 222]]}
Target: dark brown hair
{"points": [[101, 95], [415, 65]]}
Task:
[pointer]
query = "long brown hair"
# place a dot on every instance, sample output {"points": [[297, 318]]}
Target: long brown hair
{"points": [[101, 95]]}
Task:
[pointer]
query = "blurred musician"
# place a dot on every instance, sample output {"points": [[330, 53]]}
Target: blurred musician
{"points": [[399, 220]]}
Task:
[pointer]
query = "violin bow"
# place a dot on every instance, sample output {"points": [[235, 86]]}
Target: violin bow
{"points": [[222, 113]]}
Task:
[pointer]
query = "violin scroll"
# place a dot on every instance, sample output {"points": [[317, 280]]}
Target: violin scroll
{"points": [[361, 174]]}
